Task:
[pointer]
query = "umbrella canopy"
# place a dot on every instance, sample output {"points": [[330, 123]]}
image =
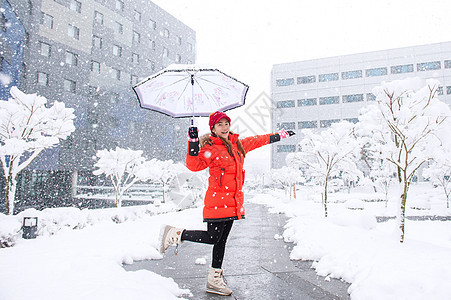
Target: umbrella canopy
{"points": [[190, 91]]}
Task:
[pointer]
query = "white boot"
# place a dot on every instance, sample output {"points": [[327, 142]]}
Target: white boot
{"points": [[169, 236], [216, 283]]}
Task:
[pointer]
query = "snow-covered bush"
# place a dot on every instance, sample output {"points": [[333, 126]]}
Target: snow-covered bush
{"points": [[287, 178], [28, 125], [53, 220]]}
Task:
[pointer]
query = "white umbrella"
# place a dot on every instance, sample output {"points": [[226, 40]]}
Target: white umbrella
{"points": [[190, 91]]}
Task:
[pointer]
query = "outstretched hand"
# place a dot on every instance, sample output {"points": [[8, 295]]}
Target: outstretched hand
{"points": [[284, 134]]}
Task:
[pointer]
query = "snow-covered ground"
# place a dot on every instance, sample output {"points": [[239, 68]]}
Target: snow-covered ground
{"points": [[79, 254]]}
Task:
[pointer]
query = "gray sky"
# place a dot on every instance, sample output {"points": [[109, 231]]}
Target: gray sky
{"points": [[245, 38]]}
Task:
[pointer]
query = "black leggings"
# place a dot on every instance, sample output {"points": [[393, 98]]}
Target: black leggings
{"points": [[216, 234]]}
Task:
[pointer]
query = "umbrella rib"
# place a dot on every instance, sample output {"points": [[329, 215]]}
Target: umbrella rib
{"points": [[173, 83], [200, 86], [212, 82]]}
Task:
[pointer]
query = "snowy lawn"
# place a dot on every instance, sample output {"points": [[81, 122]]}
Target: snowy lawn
{"points": [[351, 245], [63, 263], [79, 254]]}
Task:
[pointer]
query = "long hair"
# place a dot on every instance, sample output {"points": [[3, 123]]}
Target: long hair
{"points": [[228, 145]]}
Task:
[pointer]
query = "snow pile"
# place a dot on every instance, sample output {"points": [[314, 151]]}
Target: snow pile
{"points": [[62, 263], [201, 261], [53, 220], [351, 245]]}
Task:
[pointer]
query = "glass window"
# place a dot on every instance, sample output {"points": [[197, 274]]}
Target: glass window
{"points": [[432, 65], [136, 37], [307, 124], [401, 69], [165, 52], [190, 47], [286, 148], [352, 98], [153, 24], [3, 21], [75, 5], [47, 20], [327, 123], [117, 74], [135, 58], [307, 102], [71, 58], [117, 51], [44, 49], [43, 79], [376, 72], [448, 90], [133, 79], [69, 85], [179, 40], [95, 67], [97, 42], [178, 58], [114, 98], [440, 90], [285, 104], [285, 82], [153, 45], [98, 17], [328, 77], [166, 33], [118, 28], [447, 64], [93, 92], [306, 79], [353, 120], [329, 100], [119, 5], [370, 97], [73, 32], [351, 74], [137, 15], [287, 125]]}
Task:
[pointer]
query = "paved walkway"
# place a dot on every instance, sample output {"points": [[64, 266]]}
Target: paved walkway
{"points": [[256, 265]]}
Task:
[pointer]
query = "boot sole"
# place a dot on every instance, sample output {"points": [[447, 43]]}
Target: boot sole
{"points": [[163, 232], [211, 291]]}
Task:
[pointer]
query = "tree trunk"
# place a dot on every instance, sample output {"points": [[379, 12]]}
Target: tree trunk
{"points": [[164, 195], [325, 198], [403, 206], [10, 194], [119, 194], [294, 190]]}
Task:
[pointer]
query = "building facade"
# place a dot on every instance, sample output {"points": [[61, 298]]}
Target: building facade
{"points": [[317, 93], [89, 54]]}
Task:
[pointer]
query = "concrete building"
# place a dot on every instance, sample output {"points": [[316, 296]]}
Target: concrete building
{"points": [[88, 54], [319, 92]]}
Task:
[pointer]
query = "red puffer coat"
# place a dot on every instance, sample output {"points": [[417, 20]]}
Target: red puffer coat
{"points": [[224, 197]]}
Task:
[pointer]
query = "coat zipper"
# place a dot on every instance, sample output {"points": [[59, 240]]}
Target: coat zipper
{"points": [[220, 177]]}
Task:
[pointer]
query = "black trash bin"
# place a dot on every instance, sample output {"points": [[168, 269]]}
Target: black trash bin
{"points": [[30, 227]]}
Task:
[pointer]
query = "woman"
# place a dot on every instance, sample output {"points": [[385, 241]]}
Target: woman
{"points": [[223, 153]]}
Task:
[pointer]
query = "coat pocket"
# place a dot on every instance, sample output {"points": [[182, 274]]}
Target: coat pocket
{"points": [[220, 175]]}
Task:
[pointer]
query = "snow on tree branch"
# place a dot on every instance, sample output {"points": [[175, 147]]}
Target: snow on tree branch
{"points": [[27, 127]]}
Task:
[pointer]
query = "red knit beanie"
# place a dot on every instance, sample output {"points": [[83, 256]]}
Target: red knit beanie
{"points": [[216, 117]]}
